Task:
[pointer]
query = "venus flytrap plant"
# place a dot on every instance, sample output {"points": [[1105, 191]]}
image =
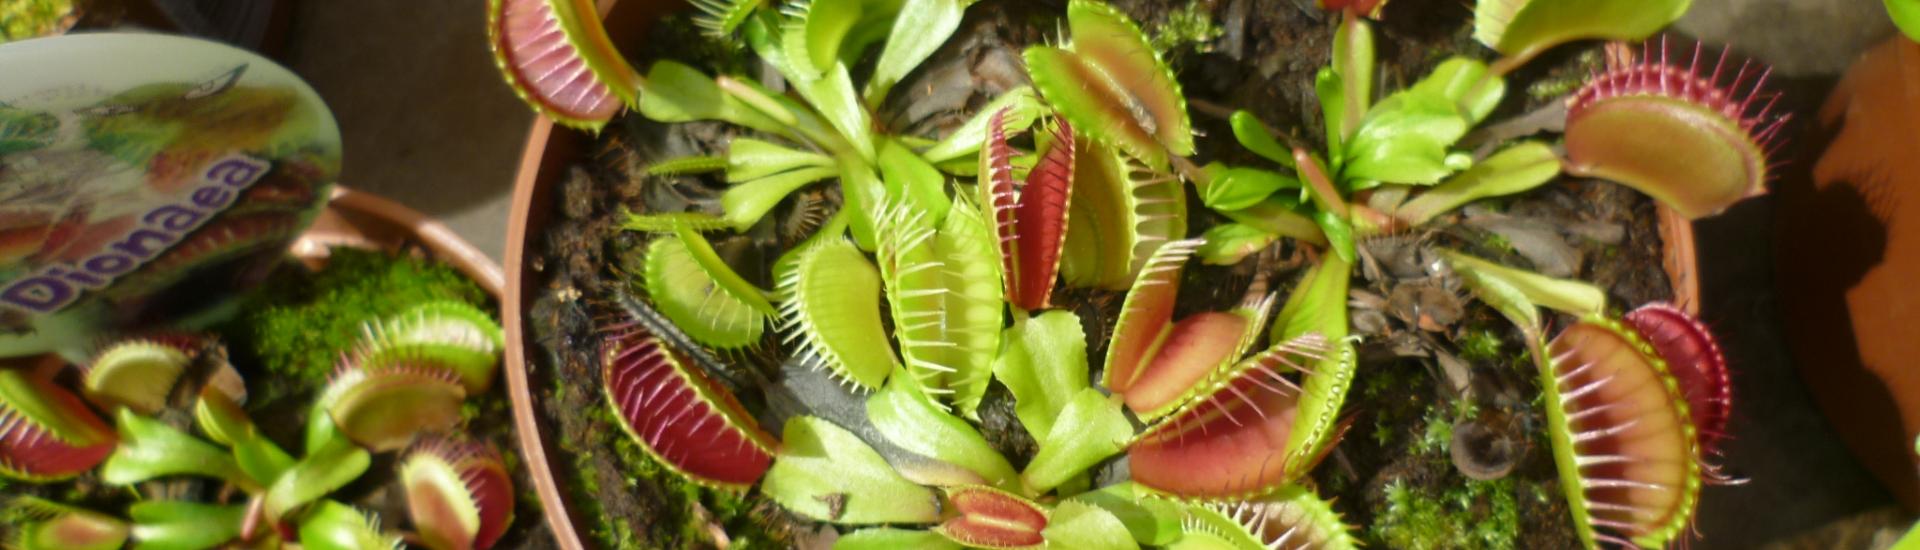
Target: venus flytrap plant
{"points": [[1522, 29], [40, 524], [459, 495], [1031, 217], [910, 419], [945, 296], [828, 474], [151, 449], [452, 334], [181, 524], [681, 417], [690, 284], [830, 310], [136, 373], [46, 432], [335, 526], [1717, 136]]}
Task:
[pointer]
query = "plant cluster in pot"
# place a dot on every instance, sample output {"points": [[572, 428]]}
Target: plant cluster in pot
{"points": [[940, 273]]}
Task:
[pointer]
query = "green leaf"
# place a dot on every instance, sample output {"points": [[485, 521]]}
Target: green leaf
{"points": [[676, 92], [833, 95], [886, 538], [1353, 61], [336, 526], [921, 27], [909, 419], [828, 474], [1090, 429], [1906, 15], [1151, 520], [1234, 187], [1333, 99], [1111, 42], [688, 289], [1080, 525], [823, 25], [1521, 29], [907, 175], [321, 472], [1466, 82], [1515, 169], [747, 202], [151, 449], [751, 159], [1405, 139], [261, 459], [38, 524], [1319, 305], [1577, 298], [1229, 243], [863, 194], [1339, 233], [1022, 108], [1043, 363], [181, 525], [1253, 135], [1278, 215]]}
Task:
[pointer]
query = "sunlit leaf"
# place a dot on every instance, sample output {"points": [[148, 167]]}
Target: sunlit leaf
{"points": [[1090, 429], [1152, 520], [1254, 136], [1236, 187], [833, 95], [1022, 108], [335, 526], [1521, 29], [747, 202], [885, 538], [921, 27], [1353, 61], [829, 474], [1079, 525], [1501, 283], [907, 175], [1466, 82], [1906, 15], [1229, 243], [321, 472], [173, 524], [1513, 170], [151, 449], [1044, 364], [908, 418], [1318, 306], [676, 92], [750, 159]]}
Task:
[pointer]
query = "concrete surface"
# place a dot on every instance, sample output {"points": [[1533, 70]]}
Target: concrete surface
{"points": [[426, 119]]}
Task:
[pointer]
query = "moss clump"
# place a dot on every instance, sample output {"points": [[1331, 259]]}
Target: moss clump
{"points": [[298, 324], [1190, 26], [1480, 345], [1454, 513]]}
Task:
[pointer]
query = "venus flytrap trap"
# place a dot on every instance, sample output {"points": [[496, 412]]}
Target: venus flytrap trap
{"points": [[46, 432], [40, 524], [459, 495], [680, 416]]}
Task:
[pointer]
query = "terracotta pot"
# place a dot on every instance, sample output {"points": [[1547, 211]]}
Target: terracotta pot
{"points": [[1849, 260], [551, 150], [362, 220]]}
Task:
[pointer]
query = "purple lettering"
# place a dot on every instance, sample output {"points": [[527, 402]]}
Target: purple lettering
{"points": [[81, 277], [212, 198], [110, 264], [42, 294], [238, 171], [142, 243], [174, 218]]}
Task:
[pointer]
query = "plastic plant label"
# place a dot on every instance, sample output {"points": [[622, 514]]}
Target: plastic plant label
{"points": [[144, 178]]}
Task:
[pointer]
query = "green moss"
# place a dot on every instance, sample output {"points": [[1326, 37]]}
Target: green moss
{"points": [[1481, 345], [1188, 27], [298, 324], [733, 512], [1451, 512]]}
